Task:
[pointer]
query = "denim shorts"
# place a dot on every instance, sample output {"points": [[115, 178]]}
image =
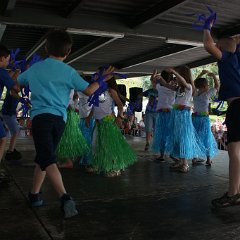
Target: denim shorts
{"points": [[12, 123], [150, 120], [47, 130]]}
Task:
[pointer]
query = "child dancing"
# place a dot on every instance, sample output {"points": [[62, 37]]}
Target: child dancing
{"points": [[200, 118]]}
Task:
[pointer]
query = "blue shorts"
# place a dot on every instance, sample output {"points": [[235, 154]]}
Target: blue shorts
{"points": [[47, 130], [12, 123], [150, 120], [2, 130]]}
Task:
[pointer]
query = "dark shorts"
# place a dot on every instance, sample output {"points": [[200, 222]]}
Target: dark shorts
{"points": [[47, 130], [233, 121]]}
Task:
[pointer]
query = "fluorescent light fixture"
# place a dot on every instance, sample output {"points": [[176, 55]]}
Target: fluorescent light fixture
{"points": [[184, 42], [95, 33], [2, 30]]}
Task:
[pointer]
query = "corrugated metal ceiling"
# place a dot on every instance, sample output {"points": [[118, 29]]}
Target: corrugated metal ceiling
{"points": [[141, 27]]}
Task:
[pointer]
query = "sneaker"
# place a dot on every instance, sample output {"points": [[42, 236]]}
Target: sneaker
{"points": [[68, 206], [146, 147], [14, 155], [35, 199], [226, 201]]}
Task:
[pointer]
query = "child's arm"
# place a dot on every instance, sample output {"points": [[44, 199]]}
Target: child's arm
{"points": [[124, 98], [88, 118], [180, 79], [117, 100], [165, 84], [94, 86], [154, 74], [202, 73], [210, 46], [215, 79]]}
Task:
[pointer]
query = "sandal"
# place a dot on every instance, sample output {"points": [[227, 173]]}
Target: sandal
{"points": [[176, 165], [113, 174], [226, 201], [184, 168]]}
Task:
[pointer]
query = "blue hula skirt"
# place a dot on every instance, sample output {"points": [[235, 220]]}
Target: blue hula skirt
{"points": [[72, 144], [87, 133], [112, 152], [202, 126], [183, 141], [161, 132]]}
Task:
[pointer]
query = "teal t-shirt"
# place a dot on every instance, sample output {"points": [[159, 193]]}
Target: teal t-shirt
{"points": [[50, 82]]}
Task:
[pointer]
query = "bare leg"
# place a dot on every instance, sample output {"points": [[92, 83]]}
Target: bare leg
{"points": [[38, 179], [208, 162], [54, 176], [234, 168], [148, 137], [12, 142], [56, 179]]}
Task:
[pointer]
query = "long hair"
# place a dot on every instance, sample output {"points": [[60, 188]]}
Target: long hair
{"points": [[185, 72]]}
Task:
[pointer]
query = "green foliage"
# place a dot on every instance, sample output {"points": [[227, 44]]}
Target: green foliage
{"points": [[146, 82]]}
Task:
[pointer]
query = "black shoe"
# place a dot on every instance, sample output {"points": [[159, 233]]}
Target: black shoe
{"points": [[68, 206], [35, 199], [14, 155]]}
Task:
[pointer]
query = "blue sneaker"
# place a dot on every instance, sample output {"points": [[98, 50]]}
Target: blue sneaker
{"points": [[35, 199], [68, 206]]}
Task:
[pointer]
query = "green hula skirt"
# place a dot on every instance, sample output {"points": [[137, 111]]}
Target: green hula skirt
{"points": [[72, 143], [112, 152]]}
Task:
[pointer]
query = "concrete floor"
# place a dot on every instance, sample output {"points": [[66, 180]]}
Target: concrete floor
{"points": [[148, 202]]}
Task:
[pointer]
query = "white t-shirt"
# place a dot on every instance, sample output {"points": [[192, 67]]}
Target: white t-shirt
{"points": [[84, 108], [166, 97], [105, 106], [185, 97], [201, 102]]}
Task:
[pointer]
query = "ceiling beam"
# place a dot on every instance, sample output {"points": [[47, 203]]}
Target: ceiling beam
{"points": [[202, 62], [156, 11], [37, 46], [7, 7], [148, 57], [31, 17], [89, 48], [75, 5]]}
